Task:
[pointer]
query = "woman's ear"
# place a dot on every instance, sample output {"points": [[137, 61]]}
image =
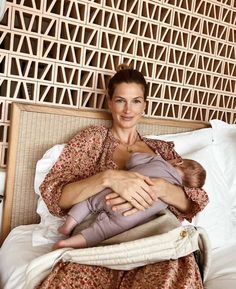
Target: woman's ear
{"points": [[109, 103], [145, 106]]}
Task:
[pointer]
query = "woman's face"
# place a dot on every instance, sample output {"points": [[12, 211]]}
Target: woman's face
{"points": [[127, 104]]}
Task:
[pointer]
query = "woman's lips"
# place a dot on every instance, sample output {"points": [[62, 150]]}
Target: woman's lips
{"points": [[126, 118]]}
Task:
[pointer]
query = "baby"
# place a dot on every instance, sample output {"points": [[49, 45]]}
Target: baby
{"points": [[108, 223]]}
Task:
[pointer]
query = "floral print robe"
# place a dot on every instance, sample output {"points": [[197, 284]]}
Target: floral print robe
{"points": [[88, 153]]}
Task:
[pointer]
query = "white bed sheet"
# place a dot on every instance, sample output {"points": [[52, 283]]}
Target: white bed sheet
{"points": [[17, 252], [15, 255], [222, 273]]}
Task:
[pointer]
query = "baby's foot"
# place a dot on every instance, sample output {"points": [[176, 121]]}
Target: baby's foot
{"points": [[64, 230], [68, 226], [58, 245], [77, 241]]}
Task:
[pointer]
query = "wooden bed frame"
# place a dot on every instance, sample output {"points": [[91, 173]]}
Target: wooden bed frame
{"points": [[34, 129]]}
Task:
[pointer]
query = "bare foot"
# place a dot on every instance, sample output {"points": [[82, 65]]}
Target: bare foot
{"points": [[58, 245], [64, 230], [68, 226], [77, 241]]}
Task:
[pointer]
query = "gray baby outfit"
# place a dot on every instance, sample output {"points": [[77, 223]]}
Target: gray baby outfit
{"points": [[109, 223]]}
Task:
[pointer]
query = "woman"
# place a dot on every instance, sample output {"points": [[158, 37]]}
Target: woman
{"points": [[93, 160]]}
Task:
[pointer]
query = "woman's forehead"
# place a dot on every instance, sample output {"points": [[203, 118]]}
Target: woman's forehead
{"points": [[125, 89]]}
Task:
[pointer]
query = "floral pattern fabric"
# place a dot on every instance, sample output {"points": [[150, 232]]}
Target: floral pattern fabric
{"points": [[88, 153]]}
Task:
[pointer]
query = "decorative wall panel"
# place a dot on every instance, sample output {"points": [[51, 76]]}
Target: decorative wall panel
{"points": [[62, 53]]}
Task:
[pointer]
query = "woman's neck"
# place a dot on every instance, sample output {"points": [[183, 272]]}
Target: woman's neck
{"points": [[126, 137]]}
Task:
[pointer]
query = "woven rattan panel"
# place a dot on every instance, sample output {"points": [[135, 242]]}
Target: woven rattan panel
{"points": [[62, 52], [38, 132]]}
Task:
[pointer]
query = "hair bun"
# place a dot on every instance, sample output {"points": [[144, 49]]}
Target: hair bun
{"points": [[122, 66]]}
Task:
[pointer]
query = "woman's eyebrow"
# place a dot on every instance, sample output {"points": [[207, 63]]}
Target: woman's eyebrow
{"points": [[117, 96]]}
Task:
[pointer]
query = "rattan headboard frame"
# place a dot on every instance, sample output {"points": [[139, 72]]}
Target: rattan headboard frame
{"points": [[36, 128]]}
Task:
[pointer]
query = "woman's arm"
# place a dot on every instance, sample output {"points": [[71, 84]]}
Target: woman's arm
{"points": [[77, 192], [199, 199], [77, 162], [171, 194], [131, 186], [183, 202]]}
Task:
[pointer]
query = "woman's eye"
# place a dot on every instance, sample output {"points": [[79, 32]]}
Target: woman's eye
{"points": [[137, 101], [119, 100]]}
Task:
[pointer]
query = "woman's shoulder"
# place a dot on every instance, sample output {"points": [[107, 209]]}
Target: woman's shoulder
{"points": [[164, 148], [95, 129], [90, 132], [158, 142]]}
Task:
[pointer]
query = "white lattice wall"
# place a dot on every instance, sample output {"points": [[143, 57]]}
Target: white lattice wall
{"points": [[62, 52]]}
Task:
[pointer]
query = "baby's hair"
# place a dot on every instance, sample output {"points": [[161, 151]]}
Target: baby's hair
{"points": [[126, 74], [194, 175]]}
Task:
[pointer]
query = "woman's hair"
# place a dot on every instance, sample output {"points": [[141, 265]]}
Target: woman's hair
{"points": [[125, 74], [194, 175]]}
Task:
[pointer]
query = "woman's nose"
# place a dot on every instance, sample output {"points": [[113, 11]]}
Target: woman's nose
{"points": [[127, 107]]}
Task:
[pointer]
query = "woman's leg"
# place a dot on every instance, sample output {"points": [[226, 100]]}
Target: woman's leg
{"points": [[66, 275]]}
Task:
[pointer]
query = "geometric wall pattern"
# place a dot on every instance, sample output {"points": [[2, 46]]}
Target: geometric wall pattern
{"points": [[62, 53]]}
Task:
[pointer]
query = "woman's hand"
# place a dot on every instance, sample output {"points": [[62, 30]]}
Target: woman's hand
{"points": [[165, 191], [120, 204], [133, 188], [159, 187]]}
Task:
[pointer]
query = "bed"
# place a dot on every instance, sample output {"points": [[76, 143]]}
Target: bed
{"points": [[37, 137]]}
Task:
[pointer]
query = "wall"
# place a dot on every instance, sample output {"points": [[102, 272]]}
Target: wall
{"points": [[62, 53]]}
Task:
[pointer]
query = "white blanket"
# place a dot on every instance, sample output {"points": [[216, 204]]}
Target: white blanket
{"points": [[177, 243]]}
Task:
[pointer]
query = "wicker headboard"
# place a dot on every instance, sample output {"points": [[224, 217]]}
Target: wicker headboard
{"points": [[34, 129]]}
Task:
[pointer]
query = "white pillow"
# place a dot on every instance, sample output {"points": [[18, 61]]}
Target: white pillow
{"points": [[43, 166], [224, 148], [216, 216], [2, 181], [187, 142], [224, 136], [46, 232]]}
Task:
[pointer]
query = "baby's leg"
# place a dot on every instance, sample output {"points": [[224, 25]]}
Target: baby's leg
{"points": [[75, 216], [110, 224], [77, 241]]}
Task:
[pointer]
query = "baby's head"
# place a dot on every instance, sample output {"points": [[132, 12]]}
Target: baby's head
{"points": [[193, 174]]}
